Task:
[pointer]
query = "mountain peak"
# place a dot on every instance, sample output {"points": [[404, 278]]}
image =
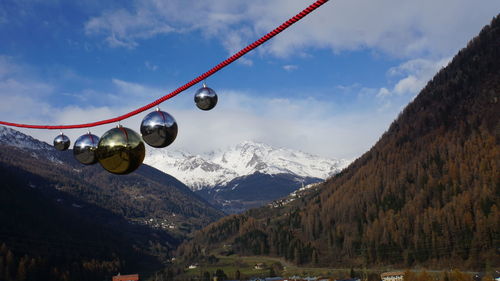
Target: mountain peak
{"points": [[15, 138], [218, 167]]}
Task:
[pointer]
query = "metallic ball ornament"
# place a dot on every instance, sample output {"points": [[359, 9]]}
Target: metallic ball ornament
{"points": [[205, 98], [61, 142], [159, 129], [120, 151], [85, 148]]}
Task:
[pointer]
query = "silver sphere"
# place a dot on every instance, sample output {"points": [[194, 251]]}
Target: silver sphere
{"points": [[205, 98], [159, 129], [61, 142], [84, 149]]}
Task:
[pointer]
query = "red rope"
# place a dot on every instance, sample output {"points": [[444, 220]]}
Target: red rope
{"points": [[188, 85]]}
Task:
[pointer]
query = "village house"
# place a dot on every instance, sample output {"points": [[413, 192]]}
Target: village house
{"points": [[260, 265], [393, 276], [131, 277], [193, 266]]}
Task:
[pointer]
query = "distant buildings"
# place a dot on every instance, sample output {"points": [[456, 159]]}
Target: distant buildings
{"points": [[393, 276], [260, 266], [132, 277]]}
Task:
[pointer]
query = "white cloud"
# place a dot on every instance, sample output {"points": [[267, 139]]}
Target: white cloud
{"points": [[400, 28], [409, 84], [281, 122], [290, 67], [150, 66], [412, 76], [239, 116], [122, 28], [135, 90], [20, 93], [383, 92], [315, 125]]}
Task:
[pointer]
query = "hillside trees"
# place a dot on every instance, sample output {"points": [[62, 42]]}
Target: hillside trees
{"points": [[427, 193]]}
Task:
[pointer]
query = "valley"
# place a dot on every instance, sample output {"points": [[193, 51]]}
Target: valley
{"points": [[425, 195], [423, 202]]}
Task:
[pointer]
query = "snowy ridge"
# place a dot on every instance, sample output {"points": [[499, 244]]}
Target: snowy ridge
{"points": [[15, 138], [214, 169], [38, 148], [193, 170], [219, 167]]}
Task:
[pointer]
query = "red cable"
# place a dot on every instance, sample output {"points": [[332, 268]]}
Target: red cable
{"points": [[188, 85]]}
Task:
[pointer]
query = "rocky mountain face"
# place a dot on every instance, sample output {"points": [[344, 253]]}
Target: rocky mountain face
{"points": [[427, 194], [246, 175]]}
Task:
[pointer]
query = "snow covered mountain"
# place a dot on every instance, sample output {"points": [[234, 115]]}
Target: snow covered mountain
{"points": [[37, 149], [218, 168], [15, 138], [244, 176]]}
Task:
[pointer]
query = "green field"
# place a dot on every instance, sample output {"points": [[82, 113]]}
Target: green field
{"points": [[245, 264]]}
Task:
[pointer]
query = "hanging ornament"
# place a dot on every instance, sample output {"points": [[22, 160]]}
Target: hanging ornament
{"points": [[205, 98], [120, 150], [61, 142], [159, 129], [85, 148]]}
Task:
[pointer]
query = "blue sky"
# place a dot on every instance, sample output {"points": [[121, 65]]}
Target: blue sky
{"points": [[330, 85]]}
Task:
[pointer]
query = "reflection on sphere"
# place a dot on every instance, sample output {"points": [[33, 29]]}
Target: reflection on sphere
{"points": [[120, 151], [159, 129]]}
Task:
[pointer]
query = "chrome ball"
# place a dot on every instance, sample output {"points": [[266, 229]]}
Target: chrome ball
{"points": [[85, 148], [205, 98], [159, 129], [120, 151], [61, 142]]}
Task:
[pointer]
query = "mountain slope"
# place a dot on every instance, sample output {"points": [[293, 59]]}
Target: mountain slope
{"points": [[427, 193], [141, 196], [48, 196], [254, 190], [53, 235]]}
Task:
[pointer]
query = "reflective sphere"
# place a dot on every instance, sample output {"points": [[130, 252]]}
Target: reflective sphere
{"points": [[85, 148], [159, 129], [61, 142], [120, 151], [205, 98]]}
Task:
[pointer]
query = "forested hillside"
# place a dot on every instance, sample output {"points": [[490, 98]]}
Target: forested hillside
{"points": [[60, 220], [41, 239], [427, 193]]}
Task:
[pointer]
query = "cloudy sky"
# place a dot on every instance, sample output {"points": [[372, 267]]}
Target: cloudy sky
{"points": [[329, 85]]}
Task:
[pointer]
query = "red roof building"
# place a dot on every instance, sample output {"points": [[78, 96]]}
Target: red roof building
{"points": [[132, 277]]}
